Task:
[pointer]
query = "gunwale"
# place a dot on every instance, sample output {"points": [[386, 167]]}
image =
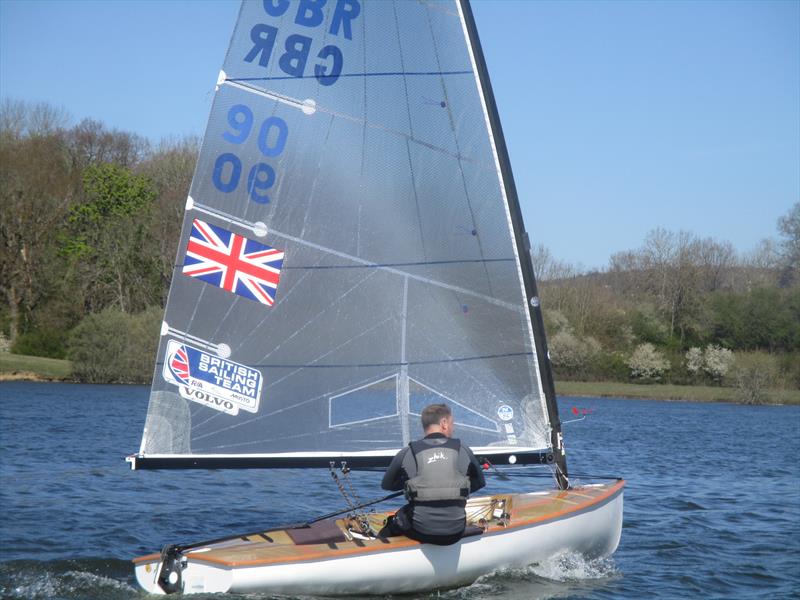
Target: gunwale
{"points": [[527, 510]]}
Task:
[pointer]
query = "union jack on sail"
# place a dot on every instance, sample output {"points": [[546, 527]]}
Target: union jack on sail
{"points": [[179, 364], [233, 262]]}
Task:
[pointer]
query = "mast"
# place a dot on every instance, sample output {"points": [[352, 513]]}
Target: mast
{"points": [[522, 246]]}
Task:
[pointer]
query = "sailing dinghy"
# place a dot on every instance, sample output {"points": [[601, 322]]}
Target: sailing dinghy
{"points": [[352, 251]]}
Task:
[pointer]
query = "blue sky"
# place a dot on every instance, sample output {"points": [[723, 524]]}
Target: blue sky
{"points": [[620, 117]]}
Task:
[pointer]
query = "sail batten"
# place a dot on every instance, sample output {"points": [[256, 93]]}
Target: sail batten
{"points": [[392, 267], [348, 254], [309, 105], [389, 364], [346, 75]]}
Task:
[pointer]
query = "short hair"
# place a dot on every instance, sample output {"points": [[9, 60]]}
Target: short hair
{"points": [[433, 413]]}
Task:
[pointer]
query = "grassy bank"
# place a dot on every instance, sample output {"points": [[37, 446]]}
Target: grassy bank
{"points": [[33, 368], [694, 393]]}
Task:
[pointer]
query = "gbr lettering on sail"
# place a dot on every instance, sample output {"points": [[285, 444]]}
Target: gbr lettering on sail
{"points": [[309, 45], [300, 55]]}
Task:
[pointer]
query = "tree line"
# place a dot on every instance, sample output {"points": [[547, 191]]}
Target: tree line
{"points": [[89, 218], [679, 309]]}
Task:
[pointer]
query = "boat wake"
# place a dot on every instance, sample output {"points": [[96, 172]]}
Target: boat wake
{"points": [[63, 579], [564, 575], [573, 567]]}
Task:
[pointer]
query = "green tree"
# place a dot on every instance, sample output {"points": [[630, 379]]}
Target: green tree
{"points": [[115, 347], [766, 318], [109, 246], [667, 271]]}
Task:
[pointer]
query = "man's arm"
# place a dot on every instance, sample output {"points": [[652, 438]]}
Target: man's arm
{"points": [[395, 477], [474, 472]]}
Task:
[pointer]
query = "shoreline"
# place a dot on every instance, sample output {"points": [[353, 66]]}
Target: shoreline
{"points": [[28, 376], [19, 367], [669, 392], [14, 367]]}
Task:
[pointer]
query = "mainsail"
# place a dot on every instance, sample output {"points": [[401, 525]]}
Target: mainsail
{"points": [[352, 251]]}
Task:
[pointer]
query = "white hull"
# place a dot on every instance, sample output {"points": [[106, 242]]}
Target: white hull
{"points": [[593, 532]]}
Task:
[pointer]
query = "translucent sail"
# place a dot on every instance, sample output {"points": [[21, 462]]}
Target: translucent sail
{"points": [[348, 254]]}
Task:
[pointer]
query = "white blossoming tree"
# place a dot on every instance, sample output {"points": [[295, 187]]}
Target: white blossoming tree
{"points": [[717, 361], [647, 363], [568, 352], [694, 360]]}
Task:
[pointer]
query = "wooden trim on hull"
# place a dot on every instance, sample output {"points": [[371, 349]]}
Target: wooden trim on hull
{"points": [[528, 510]]}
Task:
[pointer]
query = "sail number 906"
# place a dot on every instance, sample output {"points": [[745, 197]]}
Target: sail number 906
{"points": [[271, 140]]}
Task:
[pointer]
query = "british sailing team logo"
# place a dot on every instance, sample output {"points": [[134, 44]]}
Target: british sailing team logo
{"points": [[215, 382]]}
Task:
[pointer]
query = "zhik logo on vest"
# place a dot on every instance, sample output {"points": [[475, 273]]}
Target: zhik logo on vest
{"points": [[437, 456]]}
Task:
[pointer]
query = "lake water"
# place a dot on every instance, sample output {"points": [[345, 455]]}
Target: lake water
{"points": [[712, 507]]}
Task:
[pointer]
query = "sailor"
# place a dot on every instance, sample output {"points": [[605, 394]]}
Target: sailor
{"points": [[437, 474]]}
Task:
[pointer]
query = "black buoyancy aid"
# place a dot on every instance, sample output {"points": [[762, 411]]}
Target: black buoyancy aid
{"points": [[438, 476]]}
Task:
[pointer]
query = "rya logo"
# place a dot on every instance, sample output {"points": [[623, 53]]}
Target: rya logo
{"points": [[437, 456]]}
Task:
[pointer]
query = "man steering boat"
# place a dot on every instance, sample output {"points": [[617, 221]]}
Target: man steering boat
{"points": [[437, 474]]}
